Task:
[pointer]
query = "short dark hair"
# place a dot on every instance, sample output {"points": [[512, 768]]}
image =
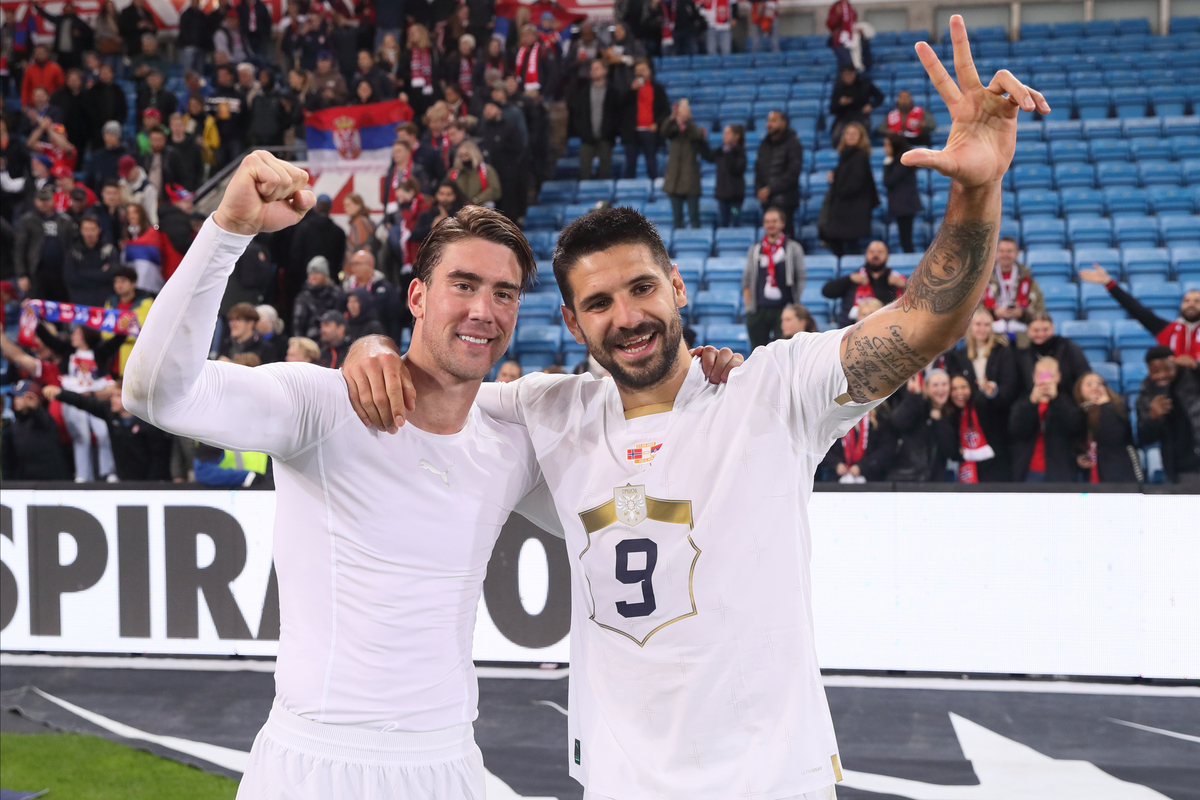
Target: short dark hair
{"points": [[777, 210], [1008, 239], [245, 311], [1042, 316], [599, 230], [126, 272], [90, 216], [111, 182], [1157, 352], [474, 222], [408, 128]]}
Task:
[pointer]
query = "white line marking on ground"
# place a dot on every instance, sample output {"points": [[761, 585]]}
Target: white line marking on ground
{"points": [[1030, 687], [552, 704], [1187, 737]]}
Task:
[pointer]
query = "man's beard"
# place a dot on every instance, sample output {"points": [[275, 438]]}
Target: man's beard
{"points": [[669, 334], [875, 269], [1191, 315]]}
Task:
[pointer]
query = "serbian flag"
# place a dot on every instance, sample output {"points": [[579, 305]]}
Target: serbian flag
{"points": [[353, 135], [143, 254]]}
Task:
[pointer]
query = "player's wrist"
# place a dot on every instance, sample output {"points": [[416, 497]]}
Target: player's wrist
{"points": [[226, 223]]}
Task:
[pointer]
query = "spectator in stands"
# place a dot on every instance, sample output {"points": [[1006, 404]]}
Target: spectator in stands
{"points": [[228, 109], [1043, 426], [107, 105], [270, 331], [772, 280], [493, 66], [43, 74], [254, 24], [1043, 342], [479, 182], [777, 169], [64, 181], [106, 28], [72, 110], [419, 66], [318, 235], [228, 46], [158, 160], [645, 110], [975, 454], [364, 93], [730, 191], [992, 368], [1012, 294], [534, 65], [39, 117], [448, 201], [500, 143], [137, 189], [360, 230], [686, 25], [151, 94], [460, 68], [103, 162], [90, 264], [299, 97], [584, 48], [361, 318], [1168, 413], [134, 21], [128, 297], [685, 141], [1108, 452], [426, 151], [72, 36], [202, 126], [796, 319], [267, 119], [846, 214], [595, 115], [303, 349], [717, 15], [195, 37], [243, 338], [873, 279], [912, 122], [110, 213], [361, 274], [175, 219], [862, 455], [151, 120], [334, 341], [764, 21], [840, 24], [31, 444], [187, 161], [853, 98], [923, 437], [904, 197], [149, 60], [43, 237], [509, 371], [1182, 335], [319, 295], [327, 79], [622, 54]]}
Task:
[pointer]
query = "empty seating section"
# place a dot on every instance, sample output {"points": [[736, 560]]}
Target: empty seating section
{"points": [[1110, 176]]}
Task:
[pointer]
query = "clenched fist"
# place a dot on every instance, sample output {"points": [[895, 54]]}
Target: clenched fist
{"points": [[265, 194]]}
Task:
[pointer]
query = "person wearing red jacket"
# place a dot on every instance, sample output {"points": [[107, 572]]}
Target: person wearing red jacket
{"points": [[840, 22], [64, 179], [1182, 334], [41, 73]]}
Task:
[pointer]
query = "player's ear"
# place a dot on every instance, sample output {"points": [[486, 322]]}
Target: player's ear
{"points": [[572, 323], [679, 286], [416, 298]]}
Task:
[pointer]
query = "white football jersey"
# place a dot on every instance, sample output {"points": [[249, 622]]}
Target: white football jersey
{"points": [[693, 668]]}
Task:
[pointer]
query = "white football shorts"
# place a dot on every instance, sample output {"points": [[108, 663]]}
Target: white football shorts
{"points": [[827, 793], [297, 759]]}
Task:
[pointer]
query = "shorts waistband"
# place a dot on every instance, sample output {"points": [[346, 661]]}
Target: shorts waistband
{"points": [[347, 743]]}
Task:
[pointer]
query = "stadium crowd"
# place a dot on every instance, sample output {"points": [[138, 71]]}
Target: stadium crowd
{"points": [[96, 209]]}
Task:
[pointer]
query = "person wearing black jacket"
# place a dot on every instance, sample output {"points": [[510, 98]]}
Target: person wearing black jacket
{"points": [[730, 191], [777, 170], [134, 20], [904, 197], [1108, 452], [1182, 334], [867, 440], [141, 452], [595, 113], [852, 99], [689, 23], [254, 24], [317, 296], [151, 94], [89, 264], [187, 165], [1072, 363], [645, 107], [501, 148], [989, 363], [918, 423], [69, 44], [195, 37], [1044, 426], [846, 212], [71, 103], [1168, 413], [885, 285], [105, 103], [983, 457], [447, 201], [32, 450], [318, 235]]}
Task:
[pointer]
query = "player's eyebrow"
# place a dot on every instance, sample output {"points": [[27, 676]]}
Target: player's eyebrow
{"points": [[464, 275], [643, 278]]}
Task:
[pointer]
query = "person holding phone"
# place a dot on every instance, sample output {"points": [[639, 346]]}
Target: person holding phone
{"points": [[1043, 427]]}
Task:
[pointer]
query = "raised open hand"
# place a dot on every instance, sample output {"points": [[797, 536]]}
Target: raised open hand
{"points": [[265, 194], [1097, 274], [983, 130]]}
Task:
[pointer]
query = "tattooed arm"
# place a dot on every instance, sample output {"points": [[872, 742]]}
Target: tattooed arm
{"points": [[880, 353]]}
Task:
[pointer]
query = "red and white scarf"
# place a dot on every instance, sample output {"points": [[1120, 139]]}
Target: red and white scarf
{"points": [[482, 177], [466, 66], [1014, 291], [527, 66], [854, 443], [1182, 337], [975, 447], [399, 176], [772, 254], [421, 67], [717, 12], [668, 24], [444, 148], [909, 124], [863, 290]]}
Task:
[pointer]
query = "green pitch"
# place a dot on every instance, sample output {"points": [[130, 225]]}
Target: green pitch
{"points": [[90, 768]]}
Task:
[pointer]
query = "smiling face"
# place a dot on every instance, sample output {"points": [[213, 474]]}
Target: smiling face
{"points": [[790, 323], [1189, 309], [1040, 330], [1093, 388], [960, 391], [466, 313], [772, 224], [1006, 254], [981, 327], [937, 388], [626, 310]]}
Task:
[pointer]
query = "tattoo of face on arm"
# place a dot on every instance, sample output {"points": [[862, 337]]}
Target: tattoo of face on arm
{"points": [[954, 267], [876, 365]]}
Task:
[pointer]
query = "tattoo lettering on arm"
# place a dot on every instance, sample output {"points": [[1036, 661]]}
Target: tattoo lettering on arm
{"points": [[952, 270], [877, 364]]}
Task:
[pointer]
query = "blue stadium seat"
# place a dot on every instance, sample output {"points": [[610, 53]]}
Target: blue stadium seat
{"points": [[816, 303], [1191, 171], [1185, 147], [540, 243], [1185, 263], [1110, 372], [1087, 79], [1082, 201], [1037, 201], [1122, 78], [1093, 102], [1180, 231], [1144, 149], [1181, 126], [725, 272], [541, 308], [557, 192], [734, 337], [1170, 100], [1146, 126], [1074, 176], [1146, 261], [539, 339], [1185, 24], [1043, 233], [659, 212], [1116, 173], [1030, 153], [567, 169], [1102, 129], [1126, 200], [1107, 257], [576, 210], [636, 190], [1066, 151], [1129, 101], [1061, 299], [692, 241], [1135, 231], [1028, 132], [1064, 129], [1098, 304], [1089, 334], [1160, 173], [735, 241], [1138, 26], [1100, 27], [1035, 30], [717, 306], [544, 217], [1046, 262], [594, 191], [820, 267], [1089, 230], [1132, 375], [1067, 30], [1129, 333], [1173, 200], [1062, 103], [1108, 150], [1157, 294]]}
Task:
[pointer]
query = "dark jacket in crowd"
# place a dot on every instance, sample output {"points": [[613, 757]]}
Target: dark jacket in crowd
{"points": [[79, 39], [922, 444], [1072, 363], [129, 24], [267, 118], [252, 274], [105, 102], [318, 235], [31, 449], [731, 172], [1178, 432], [877, 457], [845, 288], [166, 103], [861, 92], [88, 271], [194, 30], [141, 452], [30, 240], [580, 108], [366, 323], [187, 165], [75, 116], [103, 167], [851, 197], [778, 167], [629, 106], [1116, 459], [682, 176], [501, 146], [311, 303], [261, 36], [334, 356], [1062, 427], [255, 344], [177, 225], [993, 411], [904, 197]]}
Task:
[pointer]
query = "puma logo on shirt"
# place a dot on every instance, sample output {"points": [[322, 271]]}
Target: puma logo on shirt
{"points": [[442, 473]]}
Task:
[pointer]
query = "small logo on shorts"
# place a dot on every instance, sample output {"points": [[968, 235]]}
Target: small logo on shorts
{"points": [[576, 751], [643, 453]]}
